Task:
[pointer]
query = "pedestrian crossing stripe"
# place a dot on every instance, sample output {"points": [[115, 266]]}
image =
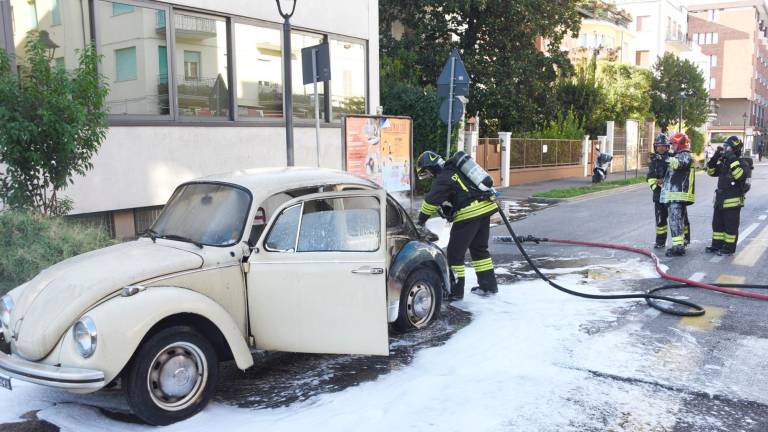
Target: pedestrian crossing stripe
{"points": [[706, 322]]}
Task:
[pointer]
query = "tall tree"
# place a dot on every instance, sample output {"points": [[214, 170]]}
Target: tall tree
{"points": [[53, 122], [675, 81], [512, 78]]}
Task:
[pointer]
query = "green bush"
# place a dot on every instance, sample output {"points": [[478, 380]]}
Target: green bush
{"points": [[564, 128], [30, 242], [697, 140]]}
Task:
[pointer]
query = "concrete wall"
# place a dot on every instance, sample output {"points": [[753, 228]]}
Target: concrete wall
{"points": [[139, 166]]}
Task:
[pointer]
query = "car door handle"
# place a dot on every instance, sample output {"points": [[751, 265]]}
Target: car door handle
{"points": [[369, 270]]}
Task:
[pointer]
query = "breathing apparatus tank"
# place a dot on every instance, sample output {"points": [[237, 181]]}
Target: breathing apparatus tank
{"points": [[474, 172]]}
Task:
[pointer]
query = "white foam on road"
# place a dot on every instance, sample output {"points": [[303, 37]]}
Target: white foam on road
{"points": [[697, 277], [762, 217]]}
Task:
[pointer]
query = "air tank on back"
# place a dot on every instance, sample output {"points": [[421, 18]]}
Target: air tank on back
{"points": [[474, 172]]}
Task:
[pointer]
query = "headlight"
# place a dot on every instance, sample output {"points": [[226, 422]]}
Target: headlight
{"points": [[6, 306], [84, 333]]}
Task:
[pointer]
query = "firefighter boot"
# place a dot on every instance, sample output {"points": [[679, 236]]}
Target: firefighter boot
{"points": [[676, 250], [457, 289], [487, 282]]}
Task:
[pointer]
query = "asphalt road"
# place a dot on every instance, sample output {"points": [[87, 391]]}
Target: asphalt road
{"points": [[711, 366]]}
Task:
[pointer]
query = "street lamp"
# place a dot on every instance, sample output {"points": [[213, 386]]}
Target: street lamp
{"points": [[290, 5], [45, 40], [680, 121]]}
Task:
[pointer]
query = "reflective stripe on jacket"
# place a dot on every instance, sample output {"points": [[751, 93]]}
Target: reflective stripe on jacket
{"points": [[451, 186], [731, 175]]}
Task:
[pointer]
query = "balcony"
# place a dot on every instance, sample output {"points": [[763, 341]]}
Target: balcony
{"points": [[186, 26], [679, 41]]}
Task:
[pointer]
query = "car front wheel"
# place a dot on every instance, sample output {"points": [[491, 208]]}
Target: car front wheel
{"points": [[172, 376], [420, 300]]}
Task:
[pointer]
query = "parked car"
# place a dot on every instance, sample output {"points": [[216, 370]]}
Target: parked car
{"points": [[289, 259]]}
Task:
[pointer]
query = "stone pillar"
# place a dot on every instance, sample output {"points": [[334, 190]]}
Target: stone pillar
{"points": [[609, 135], [586, 149], [470, 143], [632, 142], [505, 139]]}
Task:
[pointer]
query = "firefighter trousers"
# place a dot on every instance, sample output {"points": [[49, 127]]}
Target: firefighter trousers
{"points": [[472, 235], [661, 222], [679, 226], [725, 228]]}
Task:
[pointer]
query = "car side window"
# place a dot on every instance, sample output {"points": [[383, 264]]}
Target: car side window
{"points": [[394, 218], [349, 224], [282, 236]]}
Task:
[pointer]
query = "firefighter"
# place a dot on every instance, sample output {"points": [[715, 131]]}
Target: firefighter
{"points": [[657, 170], [732, 183], [678, 193], [470, 210]]}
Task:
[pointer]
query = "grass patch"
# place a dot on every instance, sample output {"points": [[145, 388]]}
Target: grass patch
{"points": [[31, 242], [590, 188]]}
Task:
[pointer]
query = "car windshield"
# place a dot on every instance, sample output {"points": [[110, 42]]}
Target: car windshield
{"points": [[205, 214]]}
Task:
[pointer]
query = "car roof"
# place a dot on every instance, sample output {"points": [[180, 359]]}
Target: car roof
{"points": [[265, 182]]}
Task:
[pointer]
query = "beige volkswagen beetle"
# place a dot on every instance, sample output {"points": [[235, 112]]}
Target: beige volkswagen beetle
{"points": [[286, 259]]}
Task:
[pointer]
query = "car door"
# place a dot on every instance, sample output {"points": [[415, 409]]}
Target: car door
{"points": [[317, 282]]}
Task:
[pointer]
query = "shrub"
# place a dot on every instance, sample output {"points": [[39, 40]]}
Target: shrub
{"points": [[697, 140], [565, 128], [30, 242]]}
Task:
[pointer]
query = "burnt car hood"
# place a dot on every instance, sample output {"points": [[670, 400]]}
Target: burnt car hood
{"points": [[49, 304]]}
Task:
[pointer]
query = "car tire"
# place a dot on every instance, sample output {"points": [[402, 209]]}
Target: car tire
{"points": [[420, 300], [172, 376]]}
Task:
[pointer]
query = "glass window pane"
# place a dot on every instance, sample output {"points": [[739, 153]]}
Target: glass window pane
{"points": [[65, 21], [282, 236], [130, 45], [304, 95], [259, 72], [202, 80], [125, 64], [347, 78], [162, 60], [340, 225], [120, 8]]}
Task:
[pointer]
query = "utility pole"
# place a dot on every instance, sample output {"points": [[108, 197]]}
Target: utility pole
{"points": [[287, 85]]}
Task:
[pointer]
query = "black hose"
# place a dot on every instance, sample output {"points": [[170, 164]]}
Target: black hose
{"points": [[651, 298]]}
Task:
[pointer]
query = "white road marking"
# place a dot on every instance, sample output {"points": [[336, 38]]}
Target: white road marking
{"points": [[752, 253], [762, 217], [747, 232], [697, 277], [716, 259]]}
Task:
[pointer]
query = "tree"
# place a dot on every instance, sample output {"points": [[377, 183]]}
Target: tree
{"points": [[583, 94], [627, 90], [671, 78], [513, 81], [53, 123]]}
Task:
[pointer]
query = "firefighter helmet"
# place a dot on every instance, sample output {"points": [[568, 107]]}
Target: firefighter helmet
{"points": [[661, 139], [735, 143], [680, 142], [429, 164]]}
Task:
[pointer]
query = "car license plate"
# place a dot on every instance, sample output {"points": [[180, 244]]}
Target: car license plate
{"points": [[5, 382]]}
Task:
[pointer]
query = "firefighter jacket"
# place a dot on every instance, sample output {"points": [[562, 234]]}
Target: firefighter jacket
{"points": [[732, 174], [452, 187], [679, 180], [657, 169]]}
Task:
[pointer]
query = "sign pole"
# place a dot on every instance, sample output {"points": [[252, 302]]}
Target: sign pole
{"points": [[317, 106], [450, 109]]}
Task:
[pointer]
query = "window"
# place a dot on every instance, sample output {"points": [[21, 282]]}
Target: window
{"points": [[201, 48], [712, 83], [56, 12], [120, 8], [259, 72], [133, 59], [714, 38], [713, 15], [304, 96], [348, 78], [708, 38], [642, 58], [125, 64], [712, 61], [191, 65], [282, 236], [642, 23], [340, 225]]}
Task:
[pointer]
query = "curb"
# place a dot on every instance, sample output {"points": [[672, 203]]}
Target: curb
{"points": [[589, 195]]}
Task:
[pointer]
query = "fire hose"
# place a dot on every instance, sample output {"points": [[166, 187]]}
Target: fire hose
{"points": [[651, 297]]}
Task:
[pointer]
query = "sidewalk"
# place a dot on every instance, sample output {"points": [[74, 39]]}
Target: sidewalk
{"points": [[525, 191]]}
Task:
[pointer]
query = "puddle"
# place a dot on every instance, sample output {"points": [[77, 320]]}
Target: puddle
{"points": [[281, 379]]}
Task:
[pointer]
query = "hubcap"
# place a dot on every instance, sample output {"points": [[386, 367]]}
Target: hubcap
{"points": [[421, 304], [177, 376]]}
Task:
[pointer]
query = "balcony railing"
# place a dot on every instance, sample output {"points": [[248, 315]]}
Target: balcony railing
{"points": [[186, 23], [679, 38]]}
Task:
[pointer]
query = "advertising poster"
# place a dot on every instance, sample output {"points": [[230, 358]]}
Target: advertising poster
{"points": [[379, 148]]}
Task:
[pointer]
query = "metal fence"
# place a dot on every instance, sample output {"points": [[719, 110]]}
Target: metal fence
{"points": [[533, 153]]}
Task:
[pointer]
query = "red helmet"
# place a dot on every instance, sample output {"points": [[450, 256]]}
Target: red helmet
{"points": [[680, 142]]}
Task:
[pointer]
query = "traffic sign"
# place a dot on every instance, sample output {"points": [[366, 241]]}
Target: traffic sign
{"points": [[460, 79], [457, 111], [322, 63]]}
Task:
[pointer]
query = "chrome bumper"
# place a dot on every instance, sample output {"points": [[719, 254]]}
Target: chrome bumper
{"points": [[51, 376]]}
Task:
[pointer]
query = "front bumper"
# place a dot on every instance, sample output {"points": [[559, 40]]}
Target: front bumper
{"points": [[51, 376]]}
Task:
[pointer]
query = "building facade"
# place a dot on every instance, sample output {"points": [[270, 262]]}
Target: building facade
{"points": [[195, 88], [604, 33], [734, 37]]}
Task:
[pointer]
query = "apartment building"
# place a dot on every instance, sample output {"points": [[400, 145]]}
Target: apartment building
{"points": [[604, 33], [735, 37], [196, 89]]}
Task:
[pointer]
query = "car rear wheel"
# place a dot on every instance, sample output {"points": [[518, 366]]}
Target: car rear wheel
{"points": [[172, 377], [420, 300]]}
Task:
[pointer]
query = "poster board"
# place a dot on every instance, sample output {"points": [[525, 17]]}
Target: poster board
{"points": [[379, 148]]}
